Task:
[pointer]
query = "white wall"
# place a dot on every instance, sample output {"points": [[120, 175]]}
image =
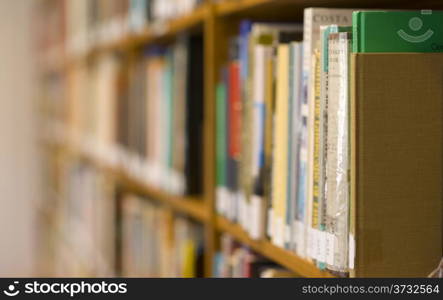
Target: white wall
{"points": [[18, 159]]}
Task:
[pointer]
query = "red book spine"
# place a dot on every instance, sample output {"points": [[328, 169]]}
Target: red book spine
{"points": [[234, 110]]}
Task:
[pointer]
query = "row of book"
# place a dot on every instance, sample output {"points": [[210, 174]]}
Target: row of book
{"points": [[84, 231], [283, 126], [234, 260], [157, 243], [74, 26], [143, 114]]}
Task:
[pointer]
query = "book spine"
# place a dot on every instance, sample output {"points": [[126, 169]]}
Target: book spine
{"points": [[337, 207], [322, 134], [356, 22], [296, 136], [291, 148], [279, 172], [246, 64], [169, 137], [268, 143], [234, 134], [316, 247], [261, 53], [221, 148], [194, 114]]}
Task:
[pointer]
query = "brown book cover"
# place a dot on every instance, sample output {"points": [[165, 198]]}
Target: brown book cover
{"points": [[396, 157]]}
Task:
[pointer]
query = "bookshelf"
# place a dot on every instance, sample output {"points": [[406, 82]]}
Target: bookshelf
{"points": [[216, 20]]}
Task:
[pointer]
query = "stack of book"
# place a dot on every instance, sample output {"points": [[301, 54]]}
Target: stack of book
{"points": [[156, 243], [284, 127]]}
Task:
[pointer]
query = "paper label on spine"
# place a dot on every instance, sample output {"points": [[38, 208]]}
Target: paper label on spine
{"points": [[312, 243], [330, 242], [287, 234], [279, 229], [321, 246], [300, 238], [317, 250], [351, 251]]}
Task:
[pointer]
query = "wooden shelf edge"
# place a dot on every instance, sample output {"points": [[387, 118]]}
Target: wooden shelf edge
{"points": [[281, 256], [156, 32], [150, 35], [192, 206], [228, 7]]}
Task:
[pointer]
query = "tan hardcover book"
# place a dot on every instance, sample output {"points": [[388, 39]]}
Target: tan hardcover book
{"points": [[396, 163]]}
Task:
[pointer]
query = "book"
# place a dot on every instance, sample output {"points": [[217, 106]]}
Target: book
{"points": [[264, 40], [194, 116], [294, 142], [281, 202], [157, 243], [179, 83], [86, 214], [249, 83], [403, 31], [337, 171], [262, 52], [234, 123], [313, 19], [396, 194], [314, 239], [221, 148], [139, 14], [325, 87], [280, 154]]}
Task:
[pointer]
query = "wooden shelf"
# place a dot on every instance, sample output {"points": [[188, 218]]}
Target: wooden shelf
{"points": [[162, 31], [156, 33], [230, 7], [196, 208], [192, 206], [217, 20], [274, 253]]}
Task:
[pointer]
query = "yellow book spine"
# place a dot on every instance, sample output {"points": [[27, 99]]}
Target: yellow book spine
{"points": [[280, 169]]}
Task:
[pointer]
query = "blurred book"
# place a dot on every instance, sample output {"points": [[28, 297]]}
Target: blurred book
{"points": [[157, 243], [236, 260]]}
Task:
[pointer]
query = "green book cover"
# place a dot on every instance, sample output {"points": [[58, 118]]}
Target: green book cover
{"points": [[398, 31], [221, 134]]}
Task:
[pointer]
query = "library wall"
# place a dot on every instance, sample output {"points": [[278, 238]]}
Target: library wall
{"points": [[18, 158]]}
